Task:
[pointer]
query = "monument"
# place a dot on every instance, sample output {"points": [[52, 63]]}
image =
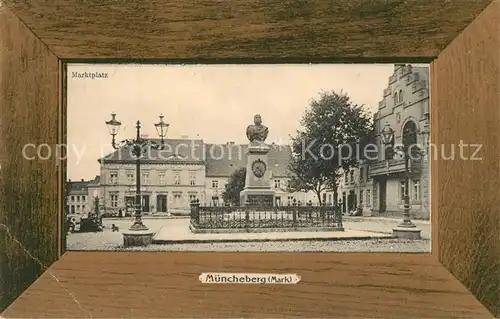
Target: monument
{"points": [[257, 191]]}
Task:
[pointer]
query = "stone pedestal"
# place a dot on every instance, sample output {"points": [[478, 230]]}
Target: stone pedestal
{"points": [[136, 238], [407, 232], [258, 191]]}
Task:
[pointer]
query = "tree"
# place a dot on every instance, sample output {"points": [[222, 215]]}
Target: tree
{"points": [[235, 185], [333, 136]]}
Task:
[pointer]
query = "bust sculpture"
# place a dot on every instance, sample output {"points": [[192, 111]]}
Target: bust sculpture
{"points": [[257, 132]]}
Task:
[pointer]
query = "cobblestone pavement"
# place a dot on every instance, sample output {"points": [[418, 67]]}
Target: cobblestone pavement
{"points": [[108, 240]]}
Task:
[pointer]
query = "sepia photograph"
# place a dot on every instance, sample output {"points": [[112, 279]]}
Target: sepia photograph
{"points": [[276, 157]]}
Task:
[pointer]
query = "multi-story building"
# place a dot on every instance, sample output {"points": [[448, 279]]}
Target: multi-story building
{"points": [[405, 107], [187, 169], [77, 199], [81, 195], [355, 190]]}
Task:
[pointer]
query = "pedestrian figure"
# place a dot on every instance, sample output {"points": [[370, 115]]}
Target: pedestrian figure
{"points": [[114, 228]]}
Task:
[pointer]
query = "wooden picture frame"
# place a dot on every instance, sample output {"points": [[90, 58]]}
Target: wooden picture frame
{"points": [[460, 278]]}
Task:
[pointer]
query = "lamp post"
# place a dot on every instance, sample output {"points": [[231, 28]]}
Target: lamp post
{"points": [[406, 229], [96, 204], [139, 234], [425, 167], [96, 208]]}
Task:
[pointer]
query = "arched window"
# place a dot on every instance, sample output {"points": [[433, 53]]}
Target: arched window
{"points": [[410, 134], [400, 96], [396, 98]]}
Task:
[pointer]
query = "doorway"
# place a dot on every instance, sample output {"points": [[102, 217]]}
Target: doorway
{"points": [[161, 203], [382, 189], [145, 203], [351, 200]]}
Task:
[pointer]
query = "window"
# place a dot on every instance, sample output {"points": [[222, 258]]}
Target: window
{"points": [[77, 207], [177, 198], [72, 198], [290, 200], [368, 197], [277, 183], [361, 174], [161, 178], [113, 178], [83, 198], [330, 200], [114, 200], [416, 190], [192, 178], [130, 178], [351, 179], [177, 178], [410, 134], [396, 99], [215, 184], [400, 96], [192, 197], [77, 198], [72, 209], [403, 190], [145, 178]]}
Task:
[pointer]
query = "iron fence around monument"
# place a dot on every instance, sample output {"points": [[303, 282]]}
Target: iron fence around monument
{"points": [[277, 217]]}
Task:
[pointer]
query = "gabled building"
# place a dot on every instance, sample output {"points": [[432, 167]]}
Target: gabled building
{"points": [[380, 187]]}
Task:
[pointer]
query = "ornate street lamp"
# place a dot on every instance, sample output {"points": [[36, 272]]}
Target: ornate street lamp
{"points": [[114, 128], [140, 148], [406, 229], [162, 128], [387, 136]]}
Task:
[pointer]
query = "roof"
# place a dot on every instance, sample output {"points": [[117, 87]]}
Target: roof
{"points": [[95, 181], [221, 163], [174, 150], [79, 187], [220, 160]]}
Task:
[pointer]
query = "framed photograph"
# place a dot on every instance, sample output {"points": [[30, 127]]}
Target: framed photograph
{"points": [[279, 159], [226, 169]]}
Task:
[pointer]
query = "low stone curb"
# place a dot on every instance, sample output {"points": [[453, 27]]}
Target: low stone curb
{"points": [[248, 240], [146, 217]]}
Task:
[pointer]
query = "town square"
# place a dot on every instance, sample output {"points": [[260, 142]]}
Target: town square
{"points": [[344, 177]]}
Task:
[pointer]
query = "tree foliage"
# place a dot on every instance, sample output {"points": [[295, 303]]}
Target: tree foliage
{"points": [[235, 185], [333, 135]]}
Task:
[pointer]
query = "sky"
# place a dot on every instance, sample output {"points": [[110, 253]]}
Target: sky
{"points": [[211, 102]]}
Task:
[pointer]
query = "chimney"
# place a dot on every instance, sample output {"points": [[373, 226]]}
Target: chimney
{"points": [[82, 179], [231, 143]]}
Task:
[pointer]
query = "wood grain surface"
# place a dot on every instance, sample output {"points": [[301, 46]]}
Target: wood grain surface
{"points": [[465, 101], [160, 285], [28, 196], [304, 29], [464, 198]]}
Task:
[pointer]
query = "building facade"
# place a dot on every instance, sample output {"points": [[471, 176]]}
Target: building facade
{"points": [[378, 186], [81, 195], [188, 169], [77, 199]]}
